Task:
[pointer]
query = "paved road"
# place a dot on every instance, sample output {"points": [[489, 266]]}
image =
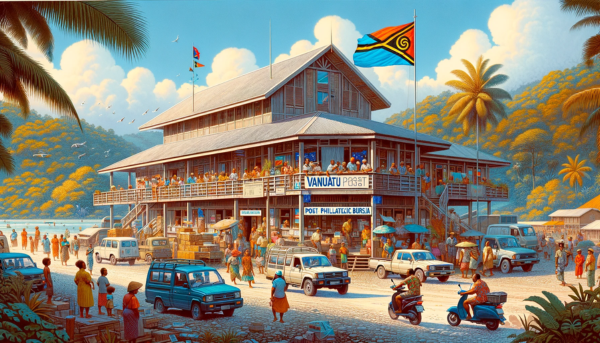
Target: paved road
{"points": [[361, 314]]}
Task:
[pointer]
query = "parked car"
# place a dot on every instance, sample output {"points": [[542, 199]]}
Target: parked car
{"points": [[117, 249], [421, 261], [508, 253], [91, 235], [13, 263], [155, 248], [190, 285], [4, 244], [525, 234], [306, 268]]}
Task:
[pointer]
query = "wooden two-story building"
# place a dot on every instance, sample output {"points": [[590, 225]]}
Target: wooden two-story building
{"points": [[315, 106]]}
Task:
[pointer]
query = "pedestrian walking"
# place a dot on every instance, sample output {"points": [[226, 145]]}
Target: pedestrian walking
{"points": [[343, 256], [332, 255], [90, 258], [545, 247], [31, 247], [561, 262], [579, 260], [36, 239], [247, 268], [24, 239], [102, 291], [570, 247], [64, 251], [55, 245], [262, 243], [46, 246], [474, 262], [228, 251], [465, 258], [260, 262], [13, 238], [233, 266], [131, 314], [279, 303], [435, 249], [76, 246], [49, 284], [85, 297], [110, 300], [450, 245], [253, 237], [590, 270], [488, 259]]}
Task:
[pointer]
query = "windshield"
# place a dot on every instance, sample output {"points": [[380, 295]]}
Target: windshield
{"points": [[199, 279], [527, 231], [17, 263], [508, 242], [316, 261], [160, 243], [423, 256]]}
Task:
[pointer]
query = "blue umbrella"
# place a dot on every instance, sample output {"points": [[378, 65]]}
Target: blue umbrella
{"points": [[414, 228], [584, 245], [384, 229], [472, 233]]}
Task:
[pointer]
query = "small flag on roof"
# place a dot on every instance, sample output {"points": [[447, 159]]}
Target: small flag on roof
{"points": [[196, 53], [386, 47]]}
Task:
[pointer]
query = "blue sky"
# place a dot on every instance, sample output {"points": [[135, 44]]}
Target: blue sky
{"points": [[232, 37]]}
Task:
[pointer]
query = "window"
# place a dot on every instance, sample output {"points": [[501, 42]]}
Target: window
{"points": [[424, 256], [322, 98], [126, 244], [115, 244], [17, 263], [316, 261], [159, 243], [103, 244], [167, 277], [273, 259], [198, 279], [297, 262], [155, 276], [406, 257], [133, 244], [180, 279], [322, 77], [288, 261], [280, 260]]}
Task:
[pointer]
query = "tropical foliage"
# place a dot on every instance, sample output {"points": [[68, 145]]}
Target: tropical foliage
{"points": [[575, 171], [553, 321]]}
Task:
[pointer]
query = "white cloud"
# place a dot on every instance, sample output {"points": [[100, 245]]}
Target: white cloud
{"points": [[230, 63]]}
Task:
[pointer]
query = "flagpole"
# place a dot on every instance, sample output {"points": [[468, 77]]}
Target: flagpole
{"points": [[416, 214], [270, 56], [193, 84]]}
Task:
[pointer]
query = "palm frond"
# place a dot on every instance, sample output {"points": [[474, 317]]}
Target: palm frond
{"points": [[481, 68], [11, 24], [37, 27], [591, 49], [116, 24], [459, 105], [466, 110], [6, 126], [580, 7], [591, 21], [459, 85], [490, 71], [497, 93], [585, 100], [496, 80], [592, 122], [471, 68], [481, 108], [464, 77], [498, 108], [7, 163], [455, 97]]}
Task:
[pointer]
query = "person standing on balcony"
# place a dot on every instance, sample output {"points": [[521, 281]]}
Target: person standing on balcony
{"points": [[366, 167], [191, 178], [402, 169], [306, 167], [393, 170], [332, 167], [352, 166]]}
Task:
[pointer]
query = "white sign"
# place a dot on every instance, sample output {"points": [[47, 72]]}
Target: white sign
{"points": [[250, 213], [337, 211], [337, 181], [253, 189], [280, 190]]}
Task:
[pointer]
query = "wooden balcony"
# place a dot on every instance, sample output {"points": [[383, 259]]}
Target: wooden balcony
{"points": [[469, 192], [277, 185]]}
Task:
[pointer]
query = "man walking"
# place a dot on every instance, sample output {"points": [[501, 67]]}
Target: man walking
{"points": [[13, 238], [450, 245], [561, 262]]}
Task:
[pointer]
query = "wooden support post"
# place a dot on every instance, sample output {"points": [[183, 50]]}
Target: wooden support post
{"points": [[301, 210], [236, 209], [301, 159], [372, 154], [189, 212], [111, 179], [489, 208], [469, 218], [165, 219], [112, 215], [268, 216], [373, 222]]}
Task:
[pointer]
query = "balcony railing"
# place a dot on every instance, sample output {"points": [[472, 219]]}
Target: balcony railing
{"points": [[273, 185], [469, 191]]}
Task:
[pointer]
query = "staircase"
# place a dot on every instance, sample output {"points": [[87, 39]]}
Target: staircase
{"points": [[439, 209], [135, 212], [358, 262], [147, 232]]}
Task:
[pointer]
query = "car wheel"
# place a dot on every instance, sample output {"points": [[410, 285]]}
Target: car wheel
{"points": [[443, 278], [420, 275], [492, 324], [228, 313], [149, 258], [343, 290], [159, 306], [98, 258], [131, 262], [392, 314], [505, 267], [113, 260], [309, 288], [527, 268], [382, 273], [416, 320], [196, 311], [453, 319]]}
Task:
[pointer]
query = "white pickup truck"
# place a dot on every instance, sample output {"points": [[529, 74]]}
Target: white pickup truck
{"points": [[421, 261]]}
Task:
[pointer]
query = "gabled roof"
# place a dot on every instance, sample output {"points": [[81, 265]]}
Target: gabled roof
{"points": [[593, 203], [595, 225], [459, 151], [258, 85], [578, 212], [315, 124]]}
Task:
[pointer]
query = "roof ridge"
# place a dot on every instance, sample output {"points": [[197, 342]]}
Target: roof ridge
{"points": [[303, 129]]}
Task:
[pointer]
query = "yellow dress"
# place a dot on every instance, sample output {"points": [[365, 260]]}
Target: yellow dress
{"points": [[85, 297], [488, 256]]}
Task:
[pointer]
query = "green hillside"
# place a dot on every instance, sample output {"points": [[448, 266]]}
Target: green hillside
{"points": [[536, 113]]}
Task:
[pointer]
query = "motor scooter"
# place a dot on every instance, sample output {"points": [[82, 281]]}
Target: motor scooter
{"points": [[489, 313], [411, 307]]}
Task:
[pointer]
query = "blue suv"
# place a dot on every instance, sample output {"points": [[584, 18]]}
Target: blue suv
{"points": [[11, 263], [190, 285]]}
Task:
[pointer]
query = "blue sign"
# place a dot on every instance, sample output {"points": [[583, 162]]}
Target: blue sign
{"points": [[377, 199], [306, 198], [297, 185], [200, 213], [250, 213]]}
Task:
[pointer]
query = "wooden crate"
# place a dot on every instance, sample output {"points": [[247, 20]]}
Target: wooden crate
{"points": [[161, 335], [150, 322]]}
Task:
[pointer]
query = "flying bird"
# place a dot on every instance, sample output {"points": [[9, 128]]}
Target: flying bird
{"points": [[77, 145], [83, 103], [106, 153], [131, 122], [146, 112], [109, 106], [156, 110], [177, 75], [176, 39], [80, 156], [41, 154], [118, 121], [114, 112]]}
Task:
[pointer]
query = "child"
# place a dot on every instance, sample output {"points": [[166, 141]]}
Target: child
{"points": [[49, 285], [31, 245], [332, 255], [109, 300], [261, 262], [102, 291]]}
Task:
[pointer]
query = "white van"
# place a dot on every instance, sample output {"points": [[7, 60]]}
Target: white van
{"points": [[117, 249], [525, 234]]}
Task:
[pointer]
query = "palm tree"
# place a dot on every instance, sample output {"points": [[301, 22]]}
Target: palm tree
{"points": [[575, 171], [115, 24], [477, 103]]}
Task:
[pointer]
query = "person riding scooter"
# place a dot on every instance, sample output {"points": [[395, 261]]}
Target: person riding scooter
{"points": [[481, 289], [414, 288]]}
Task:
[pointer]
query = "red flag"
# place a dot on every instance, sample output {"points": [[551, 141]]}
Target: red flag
{"points": [[198, 65], [196, 53], [191, 69]]}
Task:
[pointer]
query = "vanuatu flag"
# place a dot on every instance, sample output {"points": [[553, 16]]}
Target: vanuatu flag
{"points": [[196, 53], [198, 65], [386, 47]]}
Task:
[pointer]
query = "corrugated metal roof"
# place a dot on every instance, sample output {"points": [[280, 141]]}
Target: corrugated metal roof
{"points": [[595, 225], [468, 153], [593, 203], [578, 212], [256, 85]]}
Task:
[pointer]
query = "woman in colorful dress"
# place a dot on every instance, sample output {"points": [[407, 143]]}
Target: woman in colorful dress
{"points": [[233, 266], [474, 262], [85, 297], [247, 268], [55, 244], [343, 256], [435, 250], [464, 257], [488, 259], [131, 314], [90, 258], [64, 251], [590, 269], [579, 260]]}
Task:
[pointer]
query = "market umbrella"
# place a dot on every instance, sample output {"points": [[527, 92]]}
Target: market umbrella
{"points": [[414, 228], [584, 245], [225, 224], [384, 229], [472, 233], [466, 245]]}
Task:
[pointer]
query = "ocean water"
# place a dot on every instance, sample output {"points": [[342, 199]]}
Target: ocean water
{"points": [[47, 226]]}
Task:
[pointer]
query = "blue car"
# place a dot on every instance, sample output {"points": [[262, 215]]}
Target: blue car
{"points": [[11, 263], [190, 285]]}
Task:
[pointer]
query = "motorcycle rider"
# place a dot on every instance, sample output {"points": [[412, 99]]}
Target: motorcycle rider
{"points": [[481, 289], [414, 288]]}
